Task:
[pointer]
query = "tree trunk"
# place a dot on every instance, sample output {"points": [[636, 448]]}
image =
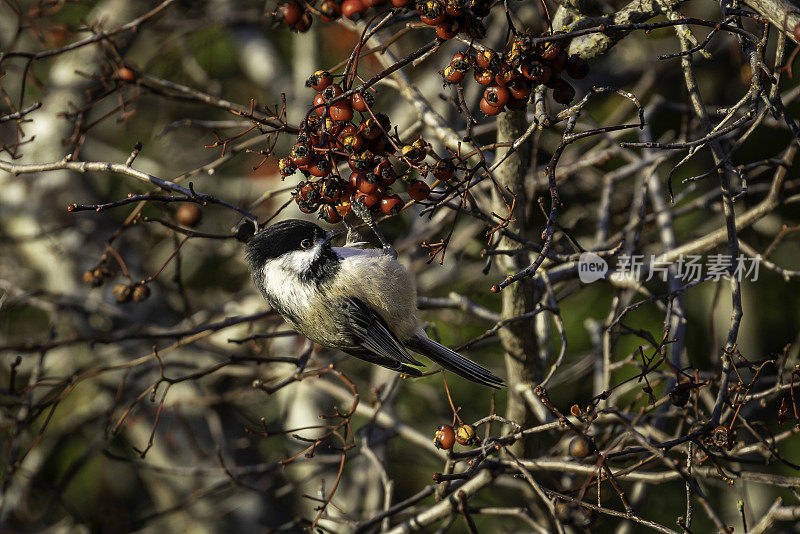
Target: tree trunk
{"points": [[523, 367]]}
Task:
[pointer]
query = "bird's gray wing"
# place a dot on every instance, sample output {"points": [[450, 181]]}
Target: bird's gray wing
{"points": [[372, 339]]}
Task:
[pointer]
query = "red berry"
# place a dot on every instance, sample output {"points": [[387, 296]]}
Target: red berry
{"points": [[305, 22], [368, 200], [448, 29], [122, 292], [341, 111], [353, 9], [365, 186], [362, 101], [577, 67], [319, 104], [384, 172], [483, 76], [454, 7], [330, 190], [465, 434], [332, 91], [141, 292], [286, 167], [431, 12], [292, 12], [486, 58], [445, 437], [536, 72], [344, 207], [369, 128], [330, 214], [505, 75], [551, 51], [489, 109], [520, 88], [352, 142], [563, 92], [496, 95], [360, 162], [458, 56], [320, 80], [418, 190], [559, 63], [453, 75], [320, 167], [391, 204], [125, 74], [300, 155], [329, 10], [444, 169]]}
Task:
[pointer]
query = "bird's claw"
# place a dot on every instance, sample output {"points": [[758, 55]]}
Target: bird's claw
{"points": [[363, 213]]}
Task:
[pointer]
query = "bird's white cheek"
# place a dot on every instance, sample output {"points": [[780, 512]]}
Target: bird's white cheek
{"points": [[299, 261], [284, 285]]}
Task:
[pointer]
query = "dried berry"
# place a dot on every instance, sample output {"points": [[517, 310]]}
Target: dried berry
{"points": [[189, 214], [141, 292], [579, 447], [122, 292], [465, 434], [286, 167], [94, 277]]}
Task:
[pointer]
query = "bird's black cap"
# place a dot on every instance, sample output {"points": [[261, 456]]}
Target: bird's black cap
{"points": [[280, 238]]}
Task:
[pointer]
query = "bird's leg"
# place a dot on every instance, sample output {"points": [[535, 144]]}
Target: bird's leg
{"points": [[353, 237], [363, 213]]}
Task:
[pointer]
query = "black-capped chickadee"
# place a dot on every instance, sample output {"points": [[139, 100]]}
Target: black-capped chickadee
{"points": [[359, 301]]}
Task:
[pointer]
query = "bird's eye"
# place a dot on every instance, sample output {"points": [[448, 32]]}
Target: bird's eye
{"points": [[305, 243]]}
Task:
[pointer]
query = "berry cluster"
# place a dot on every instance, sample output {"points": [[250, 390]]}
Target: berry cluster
{"points": [[331, 136], [450, 17], [96, 276], [511, 75]]}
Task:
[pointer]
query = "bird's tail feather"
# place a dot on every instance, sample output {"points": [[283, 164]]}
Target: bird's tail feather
{"points": [[453, 361]]}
